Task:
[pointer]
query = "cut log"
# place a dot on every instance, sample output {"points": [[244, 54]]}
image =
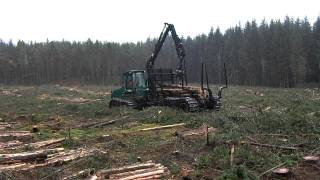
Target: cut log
{"points": [[22, 157], [61, 158], [12, 167], [311, 159], [135, 172], [281, 171], [108, 172], [15, 135], [58, 158], [163, 127], [144, 175], [147, 170], [27, 156]]}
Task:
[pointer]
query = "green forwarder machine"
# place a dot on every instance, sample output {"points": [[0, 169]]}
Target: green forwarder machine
{"points": [[165, 87]]}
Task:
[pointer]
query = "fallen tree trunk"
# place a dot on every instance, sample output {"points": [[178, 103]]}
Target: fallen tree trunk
{"points": [[135, 172], [163, 127], [57, 158]]}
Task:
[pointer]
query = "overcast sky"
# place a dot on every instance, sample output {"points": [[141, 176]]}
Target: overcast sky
{"points": [[135, 20]]}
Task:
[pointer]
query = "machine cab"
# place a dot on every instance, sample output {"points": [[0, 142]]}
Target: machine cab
{"points": [[133, 90], [133, 80]]}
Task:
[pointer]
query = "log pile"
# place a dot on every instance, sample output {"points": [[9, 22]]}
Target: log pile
{"points": [[145, 171], [33, 156], [42, 158]]}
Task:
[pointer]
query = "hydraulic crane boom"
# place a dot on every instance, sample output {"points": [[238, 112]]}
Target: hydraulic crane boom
{"points": [[179, 48]]}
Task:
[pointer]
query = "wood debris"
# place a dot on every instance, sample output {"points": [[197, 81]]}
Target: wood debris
{"points": [[147, 170]]}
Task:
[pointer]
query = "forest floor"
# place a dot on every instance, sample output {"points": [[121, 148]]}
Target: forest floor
{"points": [[264, 127]]}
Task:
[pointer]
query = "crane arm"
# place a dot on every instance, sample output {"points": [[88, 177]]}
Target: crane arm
{"points": [[178, 44]]}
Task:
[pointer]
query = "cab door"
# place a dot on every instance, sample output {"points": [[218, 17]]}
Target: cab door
{"points": [[129, 89], [135, 86]]}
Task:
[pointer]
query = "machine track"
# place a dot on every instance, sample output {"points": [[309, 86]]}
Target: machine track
{"points": [[191, 104]]}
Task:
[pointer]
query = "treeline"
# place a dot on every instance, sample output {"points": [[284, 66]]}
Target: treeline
{"points": [[276, 53]]}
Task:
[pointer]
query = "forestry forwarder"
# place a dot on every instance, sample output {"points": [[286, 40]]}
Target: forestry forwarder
{"points": [[165, 87]]}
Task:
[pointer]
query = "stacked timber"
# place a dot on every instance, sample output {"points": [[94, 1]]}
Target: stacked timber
{"points": [[144, 171], [41, 158], [33, 156]]}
